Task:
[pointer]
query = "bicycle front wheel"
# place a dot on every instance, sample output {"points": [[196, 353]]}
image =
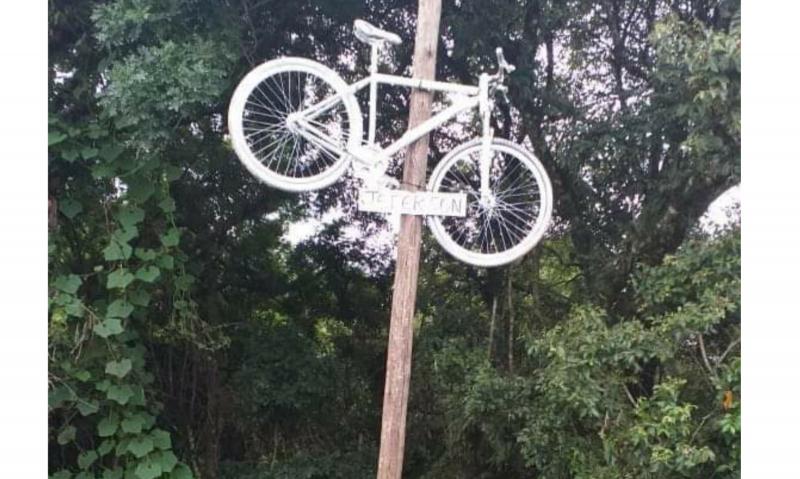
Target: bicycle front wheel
{"points": [[509, 222], [277, 154]]}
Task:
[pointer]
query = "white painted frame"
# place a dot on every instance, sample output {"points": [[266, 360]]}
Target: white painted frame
{"points": [[375, 158]]}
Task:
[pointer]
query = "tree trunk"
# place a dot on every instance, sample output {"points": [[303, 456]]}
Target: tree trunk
{"points": [[491, 327], [510, 323], [398, 358]]}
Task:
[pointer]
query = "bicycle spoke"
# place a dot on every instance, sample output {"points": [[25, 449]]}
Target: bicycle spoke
{"points": [[268, 137]]}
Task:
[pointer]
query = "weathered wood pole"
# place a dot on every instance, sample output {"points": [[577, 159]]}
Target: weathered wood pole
{"points": [[401, 329]]}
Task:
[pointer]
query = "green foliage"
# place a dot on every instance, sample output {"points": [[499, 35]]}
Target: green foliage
{"points": [[187, 339]]}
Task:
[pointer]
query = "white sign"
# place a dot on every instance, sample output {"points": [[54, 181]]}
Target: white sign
{"points": [[413, 203]]}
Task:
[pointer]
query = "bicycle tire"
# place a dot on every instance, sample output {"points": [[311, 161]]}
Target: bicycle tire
{"points": [[265, 144], [490, 236]]}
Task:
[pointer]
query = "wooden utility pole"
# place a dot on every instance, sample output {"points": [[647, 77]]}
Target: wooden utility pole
{"points": [[401, 328]]}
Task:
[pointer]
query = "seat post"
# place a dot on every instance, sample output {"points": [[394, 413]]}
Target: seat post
{"points": [[373, 92]]}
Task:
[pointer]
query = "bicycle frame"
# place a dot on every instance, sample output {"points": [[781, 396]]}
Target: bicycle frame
{"points": [[377, 158]]}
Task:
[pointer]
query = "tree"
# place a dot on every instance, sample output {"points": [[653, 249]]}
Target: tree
{"points": [[186, 337]]}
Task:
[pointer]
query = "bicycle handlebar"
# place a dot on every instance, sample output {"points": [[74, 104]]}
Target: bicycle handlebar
{"points": [[502, 63]]}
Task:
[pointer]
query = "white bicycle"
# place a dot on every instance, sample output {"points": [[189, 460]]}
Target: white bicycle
{"points": [[297, 126]]}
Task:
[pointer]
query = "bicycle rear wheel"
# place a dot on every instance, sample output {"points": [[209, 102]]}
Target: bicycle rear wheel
{"points": [[505, 226], [262, 139]]}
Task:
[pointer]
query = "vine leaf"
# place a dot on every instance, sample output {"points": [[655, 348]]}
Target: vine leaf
{"points": [[105, 447], [181, 472], [108, 426], [148, 274], [140, 446], [161, 439], [86, 459], [120, 394], [119, 368], [120, 278], [68, 283], [88, 153], [87, 408], [145, 254], [133, 424], [148, 470], [119, 309], [115, 473], [129, 216], [171, 238], [117, 251], [139, 297], [69, 207], [54, 138], [166, 262], [108, 327], [167, 460], [167, 205], [66, 435]]}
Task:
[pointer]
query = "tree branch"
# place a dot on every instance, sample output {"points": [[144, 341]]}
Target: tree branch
{"points": [[705, 357]]}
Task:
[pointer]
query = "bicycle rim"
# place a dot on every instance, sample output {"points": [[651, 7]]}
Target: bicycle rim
{"points": [[269, 148], [501, 230]]}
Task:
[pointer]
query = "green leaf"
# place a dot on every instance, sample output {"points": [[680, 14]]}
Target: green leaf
{"points": [[74, 308], [110, 152], [173, 172], [116, 251], [54, 138], [108, 327], [148, 274], [181, 472], [68, 284], [82, 375], [61, 475], [122, 446], [166, 262], [86, 459], [140, 189], [167, 460], [87, 408], [103, 170], [125, 234], [69, 207], [119, 308], [145, 254], [115, 473], [88, 153], [140, 446], [171, 237], [66, 435], [167, 205], [185, 281], [105, 447], [130, 215], [60, 395], [161, 439], [139, 297], [108, 426], [119, 279], [120, 394], [133, 424], [119, 368], [70, 155], [148, 470]]}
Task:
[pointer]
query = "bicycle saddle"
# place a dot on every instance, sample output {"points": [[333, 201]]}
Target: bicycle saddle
{"points": [[368, 33]]}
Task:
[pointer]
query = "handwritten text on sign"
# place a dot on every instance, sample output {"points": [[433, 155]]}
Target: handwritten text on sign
{"points": [[413, 203]]}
